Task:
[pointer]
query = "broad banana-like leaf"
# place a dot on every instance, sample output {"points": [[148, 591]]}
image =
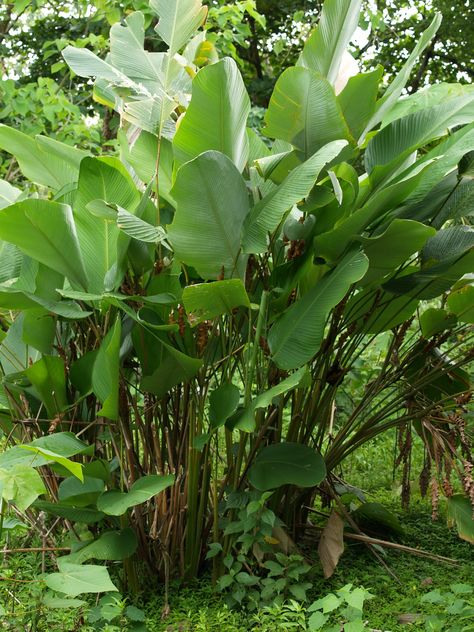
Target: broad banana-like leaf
{"points": [[461, 303], [246, 420], [427, 98], [8, 193], [394, 247], [304, 111], [212, 203], [65, 444], [327, 44], [105, 374], [101, 179], [297, 335], [179, 20], [75, 579], [148, 77], [46, 232], [48, 376], [116, 503], [332, 244], [447, 257], [287, 464], [358, 99], [141, 154], [402, 137], [42, 160], [267, 214], [219, 95], [110, 545], [205, 301], [395, 89]]}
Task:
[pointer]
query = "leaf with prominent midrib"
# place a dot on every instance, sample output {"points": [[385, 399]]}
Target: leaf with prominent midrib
{"points": [[116, 503], [296, 336], [179, 20], [75, 579]]}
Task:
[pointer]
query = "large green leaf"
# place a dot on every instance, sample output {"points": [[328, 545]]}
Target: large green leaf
{"points": [[74, 514], [205, 301], [111, 545], [116, 503], [446, 257], [77, 493], [426, 98], [219, 95], [132, 80], [42, 160], [399, 139], [287, 464], [459, 514], [461, 303], [223, 403], [304, 111], [65, 444], [212, 203], [48, 376], [246, 420], [21, 485], [179, 20], [53, 457], [324, 49], [8, 193], [395, 89], [102, 179], [105, 374], [358, 99], [297, 335], [267, 214], [394, 246], [46, 232], [74, 579]]}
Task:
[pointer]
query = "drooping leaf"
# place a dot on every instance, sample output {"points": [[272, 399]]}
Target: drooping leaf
{"points": [[223, 403], [21, 485], [101, 179], [49, 378], [179, 20], [433, 321], [399, 139], [358, 99], [267, 214], [287, 464], [304, 111], [46, 232], [459, 514], [75, 579], [246, 420], [116, 503], [461, 303], [74, 514], [325, 47], [376, 518], [42, 160], [65, 444], [53, 457], [105, 374], [212, 203], [395, 89], [111, 545], [394, 247], [219, 95], [138, 229], [205, 301], [77, 493], [297, 334]]}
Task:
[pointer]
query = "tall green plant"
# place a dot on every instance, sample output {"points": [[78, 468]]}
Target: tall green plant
{"points": [[192, 308]]}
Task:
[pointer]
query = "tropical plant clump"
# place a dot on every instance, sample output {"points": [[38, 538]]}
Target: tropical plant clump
{"points": [[179, 320]]}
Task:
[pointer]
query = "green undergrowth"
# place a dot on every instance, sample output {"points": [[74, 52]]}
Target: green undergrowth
{"points": [[197, 608]]}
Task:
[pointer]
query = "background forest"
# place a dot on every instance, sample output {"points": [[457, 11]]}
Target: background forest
{"points": [[236, 315]]}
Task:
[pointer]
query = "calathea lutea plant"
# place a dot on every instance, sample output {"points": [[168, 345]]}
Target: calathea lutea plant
{"points": [[183, 317]]}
